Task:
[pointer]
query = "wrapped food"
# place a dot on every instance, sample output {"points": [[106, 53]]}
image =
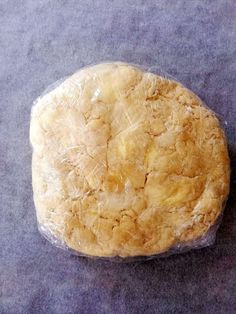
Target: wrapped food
{"points": [[127, 163]]}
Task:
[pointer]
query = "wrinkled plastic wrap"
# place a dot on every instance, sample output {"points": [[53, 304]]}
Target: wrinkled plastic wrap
{"points": [[127, 164]]}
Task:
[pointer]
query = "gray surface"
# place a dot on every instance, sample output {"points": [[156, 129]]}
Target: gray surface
{"points": [[42, 41]]}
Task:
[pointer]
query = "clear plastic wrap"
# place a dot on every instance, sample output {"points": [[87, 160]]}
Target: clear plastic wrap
{"points": [[127, 164]]}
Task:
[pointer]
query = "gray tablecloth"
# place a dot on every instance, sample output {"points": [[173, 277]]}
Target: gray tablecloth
{"points": [[42, 41]]}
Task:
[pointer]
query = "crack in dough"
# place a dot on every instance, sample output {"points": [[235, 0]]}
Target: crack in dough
{"points": [[126, 162]]}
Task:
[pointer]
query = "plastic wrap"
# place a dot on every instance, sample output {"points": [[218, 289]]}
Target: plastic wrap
{"points": [[127, 164]]}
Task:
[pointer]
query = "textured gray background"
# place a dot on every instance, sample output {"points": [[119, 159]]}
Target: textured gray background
{"points": [[42, 41]]}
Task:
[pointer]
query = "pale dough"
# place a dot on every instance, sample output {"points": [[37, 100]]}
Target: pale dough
{"points": [[126, 162]]}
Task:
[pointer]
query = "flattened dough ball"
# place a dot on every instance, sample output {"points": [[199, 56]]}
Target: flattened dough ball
{"points": [[126, 163]]}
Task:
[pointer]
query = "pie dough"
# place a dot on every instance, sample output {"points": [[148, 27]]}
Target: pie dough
{"points": [[126, 163]]}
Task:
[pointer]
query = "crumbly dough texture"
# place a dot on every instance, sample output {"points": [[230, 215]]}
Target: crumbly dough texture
{"points": [[126, 163]]}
